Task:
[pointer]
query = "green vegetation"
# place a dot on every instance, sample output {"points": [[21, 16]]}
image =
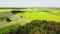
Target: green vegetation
{"points": [[33, 14], [7, 29], [42, 20], [37, 27]]}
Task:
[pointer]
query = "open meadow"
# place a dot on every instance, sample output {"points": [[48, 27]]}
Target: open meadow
{"points": [[12, 19]]}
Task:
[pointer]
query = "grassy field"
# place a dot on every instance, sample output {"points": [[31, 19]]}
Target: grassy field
{"points": [[7, 29], [33, 14], [29, 15]]}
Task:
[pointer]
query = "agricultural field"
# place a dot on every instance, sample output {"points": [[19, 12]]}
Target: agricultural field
{"points": [[12, 19]]}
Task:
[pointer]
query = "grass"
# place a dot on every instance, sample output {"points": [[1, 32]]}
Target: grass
{"points": [[5, 10], [36, 14], [14, 27], [33, 14]]}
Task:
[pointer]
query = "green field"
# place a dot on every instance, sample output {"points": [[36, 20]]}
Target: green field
{"points": [[33, 14], [30, 14]]}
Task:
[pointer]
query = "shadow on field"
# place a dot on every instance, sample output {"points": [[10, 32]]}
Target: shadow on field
{"points": [[17, 11]]}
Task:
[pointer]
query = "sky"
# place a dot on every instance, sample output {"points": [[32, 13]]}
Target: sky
{"points": [[29, 3]]}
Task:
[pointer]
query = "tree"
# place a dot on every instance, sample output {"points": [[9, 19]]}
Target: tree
{"points": [[11, 32], [8, 20]]}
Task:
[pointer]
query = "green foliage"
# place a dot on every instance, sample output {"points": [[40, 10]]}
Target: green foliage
{"points": [[35, 27], [45, 23], [7, 29], [40, 27]]}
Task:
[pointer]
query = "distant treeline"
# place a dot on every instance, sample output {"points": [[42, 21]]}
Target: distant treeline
{"points": [[38, 27]]}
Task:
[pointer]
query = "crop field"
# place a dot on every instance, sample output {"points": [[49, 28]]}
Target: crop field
{"points": [[13, 18]]}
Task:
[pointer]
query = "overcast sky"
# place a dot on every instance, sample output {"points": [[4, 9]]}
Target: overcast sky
{"points": [[29, 3]]}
